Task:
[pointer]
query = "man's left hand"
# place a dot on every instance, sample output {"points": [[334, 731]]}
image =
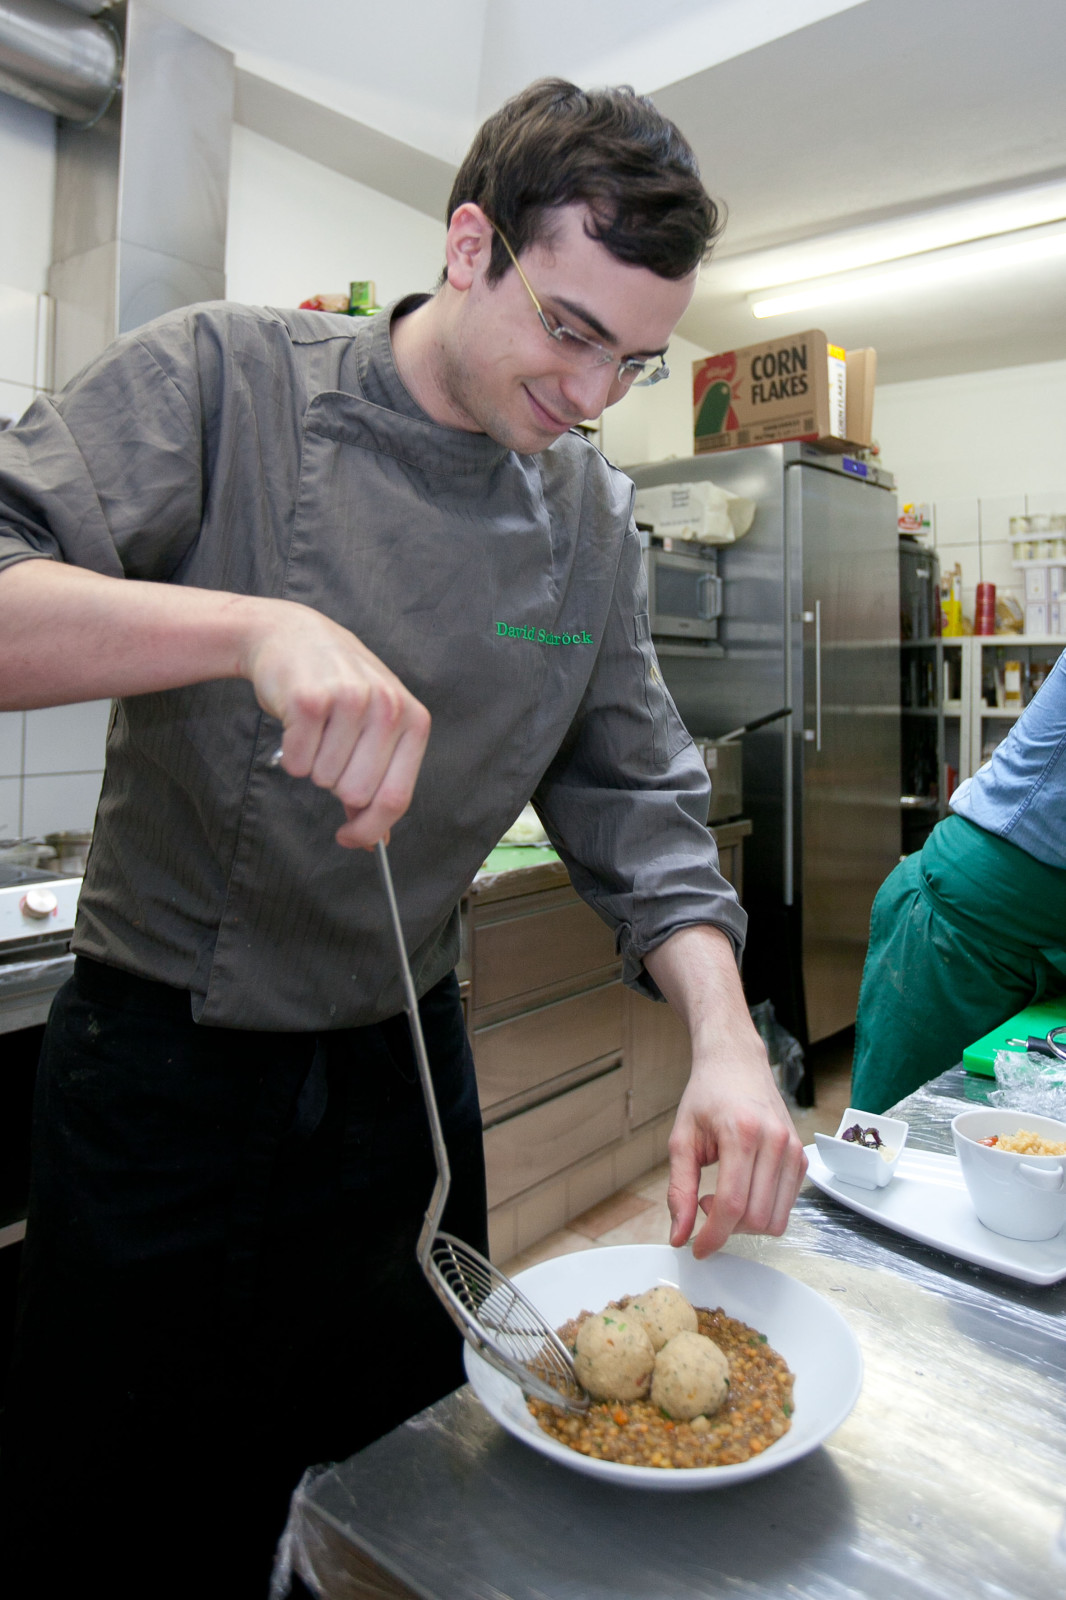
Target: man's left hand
{"points": [[731, 1112]]}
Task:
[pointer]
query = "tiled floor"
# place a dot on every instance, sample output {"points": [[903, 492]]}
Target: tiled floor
{"points": [[637, 1214]]}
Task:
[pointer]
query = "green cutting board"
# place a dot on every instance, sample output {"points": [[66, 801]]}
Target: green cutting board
{"points": [[1037, 1020], [516, 857]]}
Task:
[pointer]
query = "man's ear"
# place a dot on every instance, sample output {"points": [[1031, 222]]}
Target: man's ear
{"points": [[468, 245]]}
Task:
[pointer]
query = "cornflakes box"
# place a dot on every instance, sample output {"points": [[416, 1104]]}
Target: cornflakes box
{"points": [[792, 387]]}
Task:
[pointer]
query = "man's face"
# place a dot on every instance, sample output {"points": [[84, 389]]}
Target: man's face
{"points": [[502, 373]]}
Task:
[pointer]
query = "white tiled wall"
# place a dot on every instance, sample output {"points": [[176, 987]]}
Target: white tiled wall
{"points": [[976, 534], [25, 350], [51, 766], [51, 762]]}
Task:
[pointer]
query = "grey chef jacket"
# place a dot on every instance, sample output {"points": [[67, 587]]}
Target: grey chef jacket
{"points": [[278, 453]]}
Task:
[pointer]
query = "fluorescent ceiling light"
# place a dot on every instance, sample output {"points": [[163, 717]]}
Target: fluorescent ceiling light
{"points": [[927, 270], [873, 244]]}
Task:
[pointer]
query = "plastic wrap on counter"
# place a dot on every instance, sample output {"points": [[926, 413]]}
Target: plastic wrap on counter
{"points": [[1026, 1081]]}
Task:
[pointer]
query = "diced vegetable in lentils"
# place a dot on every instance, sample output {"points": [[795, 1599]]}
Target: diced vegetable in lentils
{"points": [[756, 1411]]}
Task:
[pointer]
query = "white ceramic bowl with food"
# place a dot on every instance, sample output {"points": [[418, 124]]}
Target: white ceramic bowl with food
{"points": [[809, 1333], [1019, 1195], [865, 1166]]}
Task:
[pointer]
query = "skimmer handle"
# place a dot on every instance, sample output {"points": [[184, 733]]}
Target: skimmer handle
{"points": [[439, 1197]]}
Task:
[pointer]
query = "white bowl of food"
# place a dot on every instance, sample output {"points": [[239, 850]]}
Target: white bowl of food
{"points": [[765, 1321], [865, 1149], [1014, 1166]]}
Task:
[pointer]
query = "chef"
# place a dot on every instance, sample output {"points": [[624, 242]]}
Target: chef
{"points": [[380, 545]]}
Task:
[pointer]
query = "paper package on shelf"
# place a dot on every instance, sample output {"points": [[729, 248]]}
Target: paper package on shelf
{"points": [[699, 512]]}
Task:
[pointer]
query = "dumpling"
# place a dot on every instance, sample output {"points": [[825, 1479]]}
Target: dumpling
{"points": [[665, 1312], [614, 1356], [691, 1377]]}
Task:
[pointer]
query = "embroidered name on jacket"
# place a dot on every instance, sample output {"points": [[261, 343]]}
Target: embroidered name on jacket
{"points": [[507, 630]]}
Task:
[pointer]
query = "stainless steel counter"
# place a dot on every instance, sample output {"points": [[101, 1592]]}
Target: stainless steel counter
{"points": [[947, 1482]]}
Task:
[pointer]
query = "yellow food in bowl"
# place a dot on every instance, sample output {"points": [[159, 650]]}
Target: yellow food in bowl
{"points": [[1025, 1143]]}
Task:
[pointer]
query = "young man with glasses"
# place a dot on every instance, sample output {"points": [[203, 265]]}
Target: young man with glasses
{"points": [[381, 544]]}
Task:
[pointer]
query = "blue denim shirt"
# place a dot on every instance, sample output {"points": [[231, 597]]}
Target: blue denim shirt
{"points": [[1021, 793]]}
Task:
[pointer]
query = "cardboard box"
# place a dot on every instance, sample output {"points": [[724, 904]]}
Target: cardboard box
{"points": [[797, 386], [862, 376]]}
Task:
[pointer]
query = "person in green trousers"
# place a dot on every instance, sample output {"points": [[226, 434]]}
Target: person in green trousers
{"points": [[972, 928]]}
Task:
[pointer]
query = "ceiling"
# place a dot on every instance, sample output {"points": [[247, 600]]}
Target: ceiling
{"points": [[825, 126]]}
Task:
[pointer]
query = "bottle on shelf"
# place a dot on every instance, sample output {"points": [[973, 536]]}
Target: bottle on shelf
{"points": [[1012, 685], [951, 592]]}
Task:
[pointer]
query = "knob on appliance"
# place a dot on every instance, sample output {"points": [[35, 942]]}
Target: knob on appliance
{"points": [[39, 903]]}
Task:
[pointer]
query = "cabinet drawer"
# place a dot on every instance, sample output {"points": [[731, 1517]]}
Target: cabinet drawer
{"points": [[521, 954], [536, 1144], [660, 1054], [513, 1057]]}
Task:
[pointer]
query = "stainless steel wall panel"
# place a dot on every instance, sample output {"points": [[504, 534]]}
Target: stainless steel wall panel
{"points": [[142, 197], [178, 112], [86, 189], [84, 289], [151, 282]]}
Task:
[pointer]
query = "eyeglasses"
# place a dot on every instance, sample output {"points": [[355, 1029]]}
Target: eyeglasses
{"points": [[634, 372]]}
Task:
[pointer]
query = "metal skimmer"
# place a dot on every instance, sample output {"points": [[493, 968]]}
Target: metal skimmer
{"points": [[493, 1314]]}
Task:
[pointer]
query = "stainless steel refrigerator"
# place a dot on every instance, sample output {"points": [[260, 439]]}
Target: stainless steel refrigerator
{"points": [[810, 620]]}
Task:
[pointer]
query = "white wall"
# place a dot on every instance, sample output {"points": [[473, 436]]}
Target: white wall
{"points": [[979, 448], [654, 424], [298, 229]]}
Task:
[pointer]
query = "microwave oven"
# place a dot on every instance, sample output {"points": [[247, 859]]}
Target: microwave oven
{"points": [[684, 593]]}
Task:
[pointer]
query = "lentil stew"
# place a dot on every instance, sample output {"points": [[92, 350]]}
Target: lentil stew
{"points": [[756, 1411]]}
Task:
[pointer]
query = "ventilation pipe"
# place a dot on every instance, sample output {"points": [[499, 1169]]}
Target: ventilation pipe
{"points": [[142, 176], [59, 59]]}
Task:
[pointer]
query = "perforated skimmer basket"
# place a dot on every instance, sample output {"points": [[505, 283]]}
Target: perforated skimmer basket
{"points": [[492, 1313]]}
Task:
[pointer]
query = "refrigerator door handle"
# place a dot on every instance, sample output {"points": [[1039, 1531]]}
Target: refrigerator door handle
{"points": [[818, 675]]}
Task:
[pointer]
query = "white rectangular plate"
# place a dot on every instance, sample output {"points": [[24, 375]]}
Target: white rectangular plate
{"points": [[927, 1200]]}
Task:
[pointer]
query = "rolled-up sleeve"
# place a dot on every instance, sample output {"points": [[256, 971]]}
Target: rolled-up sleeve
{"points": [[625, 799], [108, 475]]}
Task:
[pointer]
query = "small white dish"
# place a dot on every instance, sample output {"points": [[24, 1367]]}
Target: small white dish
{"points": [[929, 1202], [812, 1336], [1020, 1196], [857, 1163]]}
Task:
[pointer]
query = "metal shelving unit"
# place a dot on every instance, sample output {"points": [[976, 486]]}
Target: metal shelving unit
{"points": [[935, 679], [987, 722]]}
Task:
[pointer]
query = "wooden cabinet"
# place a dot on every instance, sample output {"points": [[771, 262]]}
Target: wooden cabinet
{"points": [[659, 1056], [578, 1076]]}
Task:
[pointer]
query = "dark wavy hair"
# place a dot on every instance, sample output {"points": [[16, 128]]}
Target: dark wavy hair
{"points": [[555, 144]]}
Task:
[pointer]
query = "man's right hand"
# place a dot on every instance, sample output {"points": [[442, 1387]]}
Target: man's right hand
{"points": [[349, 723]]}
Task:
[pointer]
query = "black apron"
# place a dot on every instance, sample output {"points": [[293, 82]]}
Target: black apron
{"points": [[220, 1284]]}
